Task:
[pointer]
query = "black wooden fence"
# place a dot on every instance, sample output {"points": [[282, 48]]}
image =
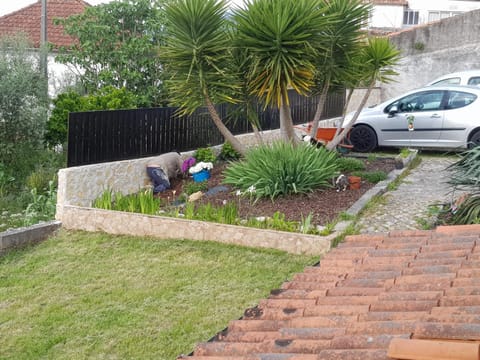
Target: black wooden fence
{"points": [[102, 136]]}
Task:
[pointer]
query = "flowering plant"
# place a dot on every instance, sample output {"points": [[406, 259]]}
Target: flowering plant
{"points": [[200, 166], [188, 163]]}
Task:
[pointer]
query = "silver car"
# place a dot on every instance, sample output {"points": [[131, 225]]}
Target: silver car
{"points": [[429, 117]]}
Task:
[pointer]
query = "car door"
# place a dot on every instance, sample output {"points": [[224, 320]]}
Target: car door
{"points": [[456, 119], [414, 120]]}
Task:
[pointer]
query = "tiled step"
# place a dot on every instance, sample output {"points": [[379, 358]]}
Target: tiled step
{"points": [[336, 309], [381, 327], [456, 310], [354, 354], [269, 346], [452, 331], [391, 315], [403, 305], [364, 341]]}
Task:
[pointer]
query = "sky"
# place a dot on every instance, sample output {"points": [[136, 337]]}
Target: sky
{"points": [[8, 6]]}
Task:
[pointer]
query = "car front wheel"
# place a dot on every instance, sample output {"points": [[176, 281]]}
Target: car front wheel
{"points": [[363, 138], [474, 140]]}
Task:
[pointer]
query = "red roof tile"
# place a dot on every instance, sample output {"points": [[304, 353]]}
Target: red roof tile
{"points": [[365, 294], [28, 20]]}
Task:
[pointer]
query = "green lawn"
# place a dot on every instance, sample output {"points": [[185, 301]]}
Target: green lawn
{"points": [[83, 295]]}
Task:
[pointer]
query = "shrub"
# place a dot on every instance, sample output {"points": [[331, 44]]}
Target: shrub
{"points": [[282, 169], [193, 187], [348, 164], [371, 176], [106, 98], [204, 154], [228, 152]]}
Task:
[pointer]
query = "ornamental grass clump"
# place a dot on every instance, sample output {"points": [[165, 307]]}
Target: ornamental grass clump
{"points": [[281, 169]]}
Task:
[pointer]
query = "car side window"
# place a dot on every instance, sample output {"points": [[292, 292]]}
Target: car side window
{"points": [[474, 80], [421, 101], [449, 81], [458, 99]]}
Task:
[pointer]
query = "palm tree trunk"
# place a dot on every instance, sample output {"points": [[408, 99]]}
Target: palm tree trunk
{"points": [[287, 131], [228, 136], [344, 112], [319, 111], [337, 139]]}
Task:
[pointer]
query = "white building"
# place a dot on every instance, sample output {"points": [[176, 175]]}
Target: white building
{"points": [[394, 15]]}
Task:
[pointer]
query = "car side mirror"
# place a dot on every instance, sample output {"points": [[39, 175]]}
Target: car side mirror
{"points": [[393, 110]]}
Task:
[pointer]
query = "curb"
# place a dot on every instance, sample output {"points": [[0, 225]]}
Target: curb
{"points": [[20, 237], [379, 189]]}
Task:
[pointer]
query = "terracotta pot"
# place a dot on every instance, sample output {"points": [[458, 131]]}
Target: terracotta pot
{"points": [[354, 182]]}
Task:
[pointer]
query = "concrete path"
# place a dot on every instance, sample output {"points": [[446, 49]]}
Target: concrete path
{"points": [[407, 207]]}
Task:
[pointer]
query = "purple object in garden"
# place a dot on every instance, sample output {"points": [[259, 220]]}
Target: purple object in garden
{"points": [[187, 164]]}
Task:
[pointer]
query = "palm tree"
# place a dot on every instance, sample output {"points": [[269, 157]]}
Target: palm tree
{"points": [[377, 57], [198, 53], [278, 36], [341, 40]]}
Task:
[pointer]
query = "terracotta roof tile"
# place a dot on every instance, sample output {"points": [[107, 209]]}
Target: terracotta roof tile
{"points": [[27, 20], [366, 294]]}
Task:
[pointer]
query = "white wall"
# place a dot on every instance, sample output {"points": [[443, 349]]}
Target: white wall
{"points": [[387, 16], [59, 77]]}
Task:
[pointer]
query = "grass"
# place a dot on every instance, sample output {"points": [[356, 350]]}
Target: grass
{"points": [[83, 295]]}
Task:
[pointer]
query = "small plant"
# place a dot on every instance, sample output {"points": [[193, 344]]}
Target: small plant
{"points": [[404, 152], [420, 46], [188, 163], [40, 179], [191, 187], [306, 224], [104, 201], [42, 207], [200, 166], [348, 164], [372, 157], [228, 152], [5, 180], [143, 202], [371, 176], [204, 154]]}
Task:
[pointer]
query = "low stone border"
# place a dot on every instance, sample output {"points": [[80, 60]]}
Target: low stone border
{"points": [[125, 223], [379, 189], [27, 235]]}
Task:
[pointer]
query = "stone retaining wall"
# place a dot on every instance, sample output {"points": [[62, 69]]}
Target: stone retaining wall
{"points": [[123, 223], [79, 186]]}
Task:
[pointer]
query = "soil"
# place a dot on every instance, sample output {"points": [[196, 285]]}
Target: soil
{"points": [[324, 204]]}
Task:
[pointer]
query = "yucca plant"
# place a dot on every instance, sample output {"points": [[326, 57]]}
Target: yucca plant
{"points": [[465, 173], [282, 168], [280, 37], [465, 176], [468, 212], [197, 53]]}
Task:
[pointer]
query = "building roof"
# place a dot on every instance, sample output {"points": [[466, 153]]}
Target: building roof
{"points": [[404, 295], [28, 21]]}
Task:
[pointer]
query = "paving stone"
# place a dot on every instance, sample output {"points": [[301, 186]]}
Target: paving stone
{"points": [[407, 206]]}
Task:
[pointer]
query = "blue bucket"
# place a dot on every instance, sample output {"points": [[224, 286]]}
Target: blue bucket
{"points": [[200, 176]]}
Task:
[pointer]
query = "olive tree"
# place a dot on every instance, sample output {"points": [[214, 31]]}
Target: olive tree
{"points": [[23, 100]]}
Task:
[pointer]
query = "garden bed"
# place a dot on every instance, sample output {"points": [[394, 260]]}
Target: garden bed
{"points": [[324, 205]]}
